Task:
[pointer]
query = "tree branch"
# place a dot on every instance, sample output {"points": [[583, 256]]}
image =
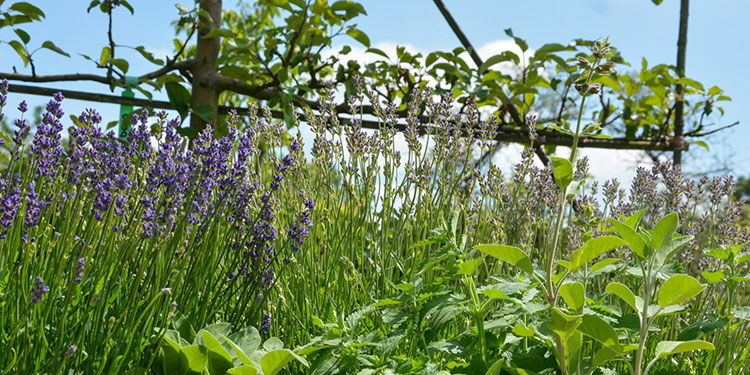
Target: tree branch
{"points": [[506, 135]]}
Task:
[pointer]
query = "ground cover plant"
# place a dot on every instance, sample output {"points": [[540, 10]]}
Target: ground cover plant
{"points": [[364, 251]]}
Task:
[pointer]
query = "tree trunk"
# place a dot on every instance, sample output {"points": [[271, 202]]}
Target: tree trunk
{"points": [[679, 120], [206, 54]]}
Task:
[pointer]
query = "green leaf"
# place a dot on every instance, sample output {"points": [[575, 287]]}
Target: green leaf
{"points": [[496, 59], [170, 352], [678, 289], [562, 324], [104, 56], [622, 291], [666, 348], [205, 112], [713, 277], [594, 248], [608, 81], [563, 172], [359, 36], [247, 339], [25, 38], [574, 295], [602, 333], [468, 266], [121, 64], [149, 56], [224, 33], [20, 50], [707, 325], [28, 10], [194, 358], [51, 46], [605, 265], [273, 361], [702, 144], [128, 6], [522, 330], [179, 97], [219, 360], [657, 2], [510, 254], [635, 241], [669, 248], [663, 229], [243, 370], [378, 51]]}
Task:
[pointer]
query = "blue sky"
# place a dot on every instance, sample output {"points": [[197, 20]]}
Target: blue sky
{"points": [[717, 40]]}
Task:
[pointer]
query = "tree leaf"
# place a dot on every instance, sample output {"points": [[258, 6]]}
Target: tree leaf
{"points": [[594, 248], [224, 33], [205, 112], [51, 46], [510, 254], [179, 97], [25, 38], [121, 64], [563, 172], [678, 289], [496, 59], [28, 10], [359, 36], [665, 348]]}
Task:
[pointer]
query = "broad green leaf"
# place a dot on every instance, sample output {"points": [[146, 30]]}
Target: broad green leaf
{"points": [[205, 112], [663, 230], [608, 81], [574, 295], [503, 290], [709, 324], [273, 361], [505, 56], [702, 144], [22, 52], [380, 52], [243, 370], [510, 254], [359, 36], [121, 64], [25, 38], [594, 248], [170, 353], [28, 10], [633, 220], [224, 33], [522, 330], [713, 277], [562, 324], [562, 171], [238, 351], [104, 57], [194, 358], [669, 248], [179, 97], [678, 289], [665, 348], [742, 312], [625, 294], [247, 339], [219, 360], [468, 266], [149, 56], [605, 265], [52, 47], [602, 333], [635, 241], [721, 252]]}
